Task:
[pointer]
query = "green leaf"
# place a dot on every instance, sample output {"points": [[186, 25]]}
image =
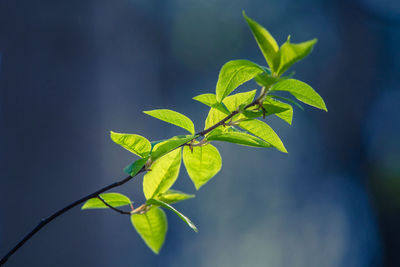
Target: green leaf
{"points": [[152, 227], [214, 116], [233, 74], [264, 131], [168, 145], [163, 174], [180, 215], [231, 102], [134, 143], [201, 164], [135, 167], [234, 101], [265, 79], [113, 199], [173, 196], [211, 101], [291, 53], [287, 99], [172, 117], [301, 91], [240, 138], [251, 114], [280, 109], [265, 41]]}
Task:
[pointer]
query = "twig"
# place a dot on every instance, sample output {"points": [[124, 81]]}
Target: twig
{"points": [[113, 208], [45, 221]]}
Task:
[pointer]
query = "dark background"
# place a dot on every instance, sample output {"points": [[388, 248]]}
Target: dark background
{"points": [[71, 71]]}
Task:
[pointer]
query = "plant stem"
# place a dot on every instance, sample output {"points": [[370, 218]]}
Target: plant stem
{"points": [[45, 221], [113, 208]]}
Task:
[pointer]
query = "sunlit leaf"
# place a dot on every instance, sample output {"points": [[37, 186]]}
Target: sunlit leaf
{"points": [[232, 102], [135, 167], [233, 74], [163, 174], [113, 199], [301, 91], [152, 227], [291, 53], [275, 97], [265, 41], [172, 117], [265, 79], [202, 163], [134, 143], [240, 138], [172, 196], [280, 109], [180, 215], [214, 116], [168, 145], [264, 131], [211, 101]]}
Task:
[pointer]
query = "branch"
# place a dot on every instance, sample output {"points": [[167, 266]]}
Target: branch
{"points": [[45, 221]]}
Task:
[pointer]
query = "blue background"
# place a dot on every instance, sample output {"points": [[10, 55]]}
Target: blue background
{"points": [[71, 71]]}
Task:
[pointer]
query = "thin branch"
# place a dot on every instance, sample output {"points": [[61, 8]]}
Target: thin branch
{"points": [[221, 122], [45, 221], [113, 208]]}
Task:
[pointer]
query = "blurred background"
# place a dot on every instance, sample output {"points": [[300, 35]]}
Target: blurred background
{"points": [[71, 71]]}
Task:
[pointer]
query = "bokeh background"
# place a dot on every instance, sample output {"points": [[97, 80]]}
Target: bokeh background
{"points": [[71, 71]]}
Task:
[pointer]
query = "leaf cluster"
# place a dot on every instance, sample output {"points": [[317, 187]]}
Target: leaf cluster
{"points": [[234, 118]]}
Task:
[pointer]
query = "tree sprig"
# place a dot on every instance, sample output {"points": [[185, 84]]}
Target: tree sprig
{"points": [[234, 118]]}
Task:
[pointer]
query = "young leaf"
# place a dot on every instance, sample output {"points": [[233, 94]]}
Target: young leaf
{"points": [[168, 145], [172, 117], [275, 97], [301, 91], [114, 199], [233, 74], [152, 227], [251, 114], [264, 131], [163, 174], [134, 143], [135, 167], [167, 206], [211, 101], [280, 109], [202, 163], [265, 79], [173, 196], [232, 102], [240, 138], [265, 41], [291, 53]]}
